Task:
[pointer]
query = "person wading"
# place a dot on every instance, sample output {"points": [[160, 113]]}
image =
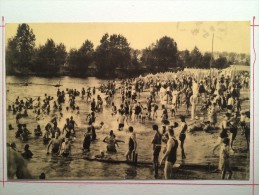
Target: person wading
{"points": [[170, 154]]}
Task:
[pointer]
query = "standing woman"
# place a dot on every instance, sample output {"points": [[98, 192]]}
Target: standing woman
{"points": [[182, 136]]}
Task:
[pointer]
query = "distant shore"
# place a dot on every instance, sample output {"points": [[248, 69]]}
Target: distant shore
{"points": [[117, 74]]}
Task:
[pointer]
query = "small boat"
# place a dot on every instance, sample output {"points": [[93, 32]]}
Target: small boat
{"points": [[57, 85]]}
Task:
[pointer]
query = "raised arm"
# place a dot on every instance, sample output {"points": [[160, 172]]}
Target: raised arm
{"points": [[49, 146], [105, 140]]}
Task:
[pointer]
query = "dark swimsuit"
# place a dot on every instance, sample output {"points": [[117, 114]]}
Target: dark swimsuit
{"points": [[173, 152], [131, 145], [157, 145]]}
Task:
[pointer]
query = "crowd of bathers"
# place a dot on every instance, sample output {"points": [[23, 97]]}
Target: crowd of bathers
{"points": [[162, 98]]}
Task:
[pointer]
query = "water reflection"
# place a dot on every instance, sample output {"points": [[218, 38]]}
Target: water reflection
{"points": [[130, 172]]}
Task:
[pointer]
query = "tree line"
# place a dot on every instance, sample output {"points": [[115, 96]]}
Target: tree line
{"points": [[112, 57]]}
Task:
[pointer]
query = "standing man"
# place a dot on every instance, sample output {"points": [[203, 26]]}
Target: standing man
{"points": [[132, 144], [194, 101], [182, 136], [170, 154], [194, 98], [157, 140]]}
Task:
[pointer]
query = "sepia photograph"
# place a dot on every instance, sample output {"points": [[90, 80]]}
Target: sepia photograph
{"points": [[128, 100]]}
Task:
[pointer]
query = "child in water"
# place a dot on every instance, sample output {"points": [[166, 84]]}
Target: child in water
{"points": [[27, 154], [37, 131], [25, 134]]}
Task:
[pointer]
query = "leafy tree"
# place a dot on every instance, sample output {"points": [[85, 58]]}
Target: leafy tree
{"points": [[86, 53], [147, 59], [12, 56], [61, 54], [49, 58], [20, 49], [206, 60], [135, 53], [46, 58], [80, 59], [196, 57], [103, 55], [73, 60], [165, 53], [184, 58], [112, 53], [221, 63]]}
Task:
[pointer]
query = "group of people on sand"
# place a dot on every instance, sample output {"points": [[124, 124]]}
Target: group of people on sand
{"points": [[170, 98]]}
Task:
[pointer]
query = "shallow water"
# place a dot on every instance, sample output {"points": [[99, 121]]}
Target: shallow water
{"points": [[78, 168]]}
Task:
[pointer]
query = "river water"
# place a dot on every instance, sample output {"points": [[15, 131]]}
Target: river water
{"points": [[58, 168], [78, 168]]}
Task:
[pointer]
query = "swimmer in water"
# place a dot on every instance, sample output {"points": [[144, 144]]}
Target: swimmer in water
{"points": [[27, 154], [87, 140], [55, 143], [111, 142], [37, 131], [65, 149], [16, 165], [25, 134]]}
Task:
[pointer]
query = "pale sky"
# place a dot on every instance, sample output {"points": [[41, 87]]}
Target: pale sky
{"points": [[228, 36]]}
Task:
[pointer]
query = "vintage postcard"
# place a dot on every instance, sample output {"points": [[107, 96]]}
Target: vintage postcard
{"points": [[135, 101]]}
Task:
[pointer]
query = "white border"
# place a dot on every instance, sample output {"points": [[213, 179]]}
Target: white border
{"points": [[133, 11]]}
